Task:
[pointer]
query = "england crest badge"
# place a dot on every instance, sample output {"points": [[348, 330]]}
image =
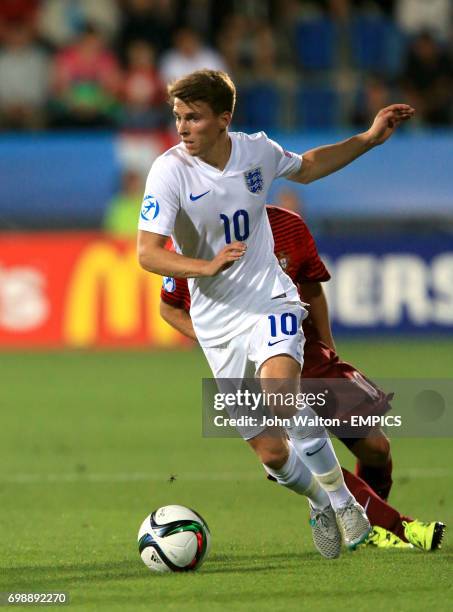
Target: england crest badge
{"points": [[254, 180]]}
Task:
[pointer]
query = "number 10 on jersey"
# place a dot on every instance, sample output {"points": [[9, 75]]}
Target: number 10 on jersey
{"points": [[241, 227]]}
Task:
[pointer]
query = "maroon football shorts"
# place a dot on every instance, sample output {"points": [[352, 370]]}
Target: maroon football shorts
{"points": [[352, 393]]}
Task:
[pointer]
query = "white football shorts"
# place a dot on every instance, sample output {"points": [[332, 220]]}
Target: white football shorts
{"points": [[279, 332]]}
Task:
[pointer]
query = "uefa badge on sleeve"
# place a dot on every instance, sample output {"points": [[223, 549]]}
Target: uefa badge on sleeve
{"points": [[254, 180], [150, 208], [169, 284]]}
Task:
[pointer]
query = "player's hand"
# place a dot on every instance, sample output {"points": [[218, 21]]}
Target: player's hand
{"points": [[387, 120], [225, 258]]}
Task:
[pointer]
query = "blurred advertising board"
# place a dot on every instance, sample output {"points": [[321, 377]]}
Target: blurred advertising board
{"points": [[78, 290], [82, 290], [390, 283]]}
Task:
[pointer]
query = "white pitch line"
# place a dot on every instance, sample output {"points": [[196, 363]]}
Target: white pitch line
{"points": [[126, 477], [95, 477]]}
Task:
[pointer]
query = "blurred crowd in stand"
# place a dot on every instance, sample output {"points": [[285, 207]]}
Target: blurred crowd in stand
{"points": [[297, 63]]}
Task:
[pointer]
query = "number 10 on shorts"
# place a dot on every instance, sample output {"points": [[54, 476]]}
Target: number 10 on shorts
{"points": [[287, 323]]}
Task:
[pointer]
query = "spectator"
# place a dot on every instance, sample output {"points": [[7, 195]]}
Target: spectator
{"points": [[289, 199], [206, 16], [236, 44], [428, 80], [375, 95], [144, 93], [264, 53], [197, 15], [187, 55], [24, 78], [150, 20], [13, 11], [61, 21], [414, 16], [86, 83], [121, 215], [340, 10]]}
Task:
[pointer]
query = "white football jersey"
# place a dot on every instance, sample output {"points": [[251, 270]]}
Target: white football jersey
{"points": [[203, 209]]}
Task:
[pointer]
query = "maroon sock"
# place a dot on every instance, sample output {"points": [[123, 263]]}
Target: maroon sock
{"points": [[378, 511], [378, 478]]}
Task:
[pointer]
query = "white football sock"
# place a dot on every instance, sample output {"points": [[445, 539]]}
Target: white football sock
{"points": [[333, 484], [319, 456], [296, 476]]}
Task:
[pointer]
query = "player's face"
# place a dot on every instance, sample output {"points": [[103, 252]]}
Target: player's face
{"points": [[199, 128]]}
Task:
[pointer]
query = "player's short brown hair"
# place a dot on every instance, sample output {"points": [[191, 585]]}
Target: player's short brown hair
{"points": [[211, 86]]}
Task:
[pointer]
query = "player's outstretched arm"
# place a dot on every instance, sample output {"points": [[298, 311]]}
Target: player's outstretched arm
{"points": [[314, 294], [154, 257], [323, 161]]}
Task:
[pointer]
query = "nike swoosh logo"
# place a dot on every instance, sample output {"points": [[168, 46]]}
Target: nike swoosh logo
{"points": [[276, 342], [317, 450], [193, 198]]}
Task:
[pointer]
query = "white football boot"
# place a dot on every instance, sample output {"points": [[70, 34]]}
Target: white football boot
{"points": [[354, 524], [326, 535]]}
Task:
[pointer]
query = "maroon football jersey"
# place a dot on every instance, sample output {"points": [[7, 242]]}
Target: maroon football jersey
{"points": [[295, 247]]}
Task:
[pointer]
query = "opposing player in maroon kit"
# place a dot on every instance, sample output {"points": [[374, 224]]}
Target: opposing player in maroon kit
{"points": [[296, 251]]}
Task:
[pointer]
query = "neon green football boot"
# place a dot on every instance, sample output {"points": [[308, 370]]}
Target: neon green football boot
{"points": [[426, 536], [382, 538]]}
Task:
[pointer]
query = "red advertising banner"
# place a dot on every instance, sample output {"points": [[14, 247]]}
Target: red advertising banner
{"points": [[78, 290]]}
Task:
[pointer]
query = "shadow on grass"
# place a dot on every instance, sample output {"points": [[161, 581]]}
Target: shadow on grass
{"points": [[65, 573], [232, 563], [70, 573]]}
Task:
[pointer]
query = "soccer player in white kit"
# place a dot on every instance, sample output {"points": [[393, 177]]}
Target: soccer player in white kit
{"points": [[209, 194]]}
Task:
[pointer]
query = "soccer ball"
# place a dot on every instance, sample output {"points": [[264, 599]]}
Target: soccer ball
{"points": [[173, 539]]}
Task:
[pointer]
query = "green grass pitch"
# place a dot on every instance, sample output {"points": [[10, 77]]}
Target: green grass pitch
{"points": [[88, 444]]}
